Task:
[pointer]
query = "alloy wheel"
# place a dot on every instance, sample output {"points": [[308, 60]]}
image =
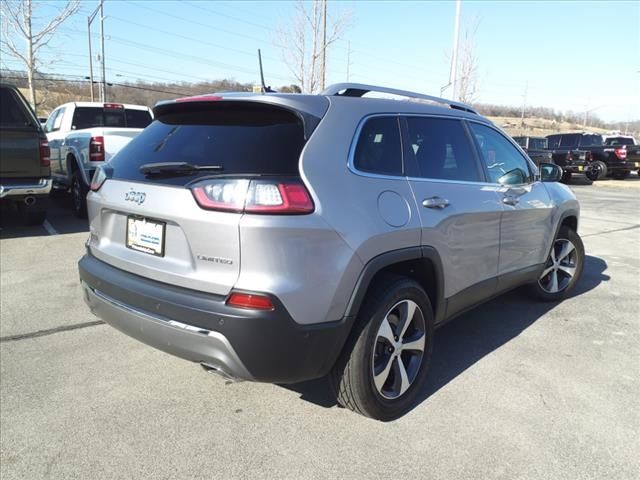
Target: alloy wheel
{"points": [[399, 349], [560, 267]]}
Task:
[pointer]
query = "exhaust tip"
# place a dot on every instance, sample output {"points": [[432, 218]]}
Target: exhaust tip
{"points": [[218, 371]]}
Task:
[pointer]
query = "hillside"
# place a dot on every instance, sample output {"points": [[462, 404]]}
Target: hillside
{"points": [[53, 91]]}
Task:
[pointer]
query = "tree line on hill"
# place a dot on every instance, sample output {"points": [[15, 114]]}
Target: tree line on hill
{"points": [[58, 90]]}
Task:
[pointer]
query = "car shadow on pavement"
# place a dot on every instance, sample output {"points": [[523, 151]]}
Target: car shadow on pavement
{"points": [[470, 337], [60, 220]]}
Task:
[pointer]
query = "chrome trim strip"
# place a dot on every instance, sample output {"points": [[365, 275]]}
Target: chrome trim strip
{"points": [[42, 187], [158, 318]]}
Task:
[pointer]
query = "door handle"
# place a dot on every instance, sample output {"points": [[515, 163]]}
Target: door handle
{"points": [[435, 202], [510, 200]]}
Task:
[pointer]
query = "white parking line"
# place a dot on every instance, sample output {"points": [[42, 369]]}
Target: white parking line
{"points": [[49, 228]]}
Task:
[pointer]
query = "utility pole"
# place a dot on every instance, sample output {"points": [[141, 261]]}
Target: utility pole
{"points": [[89, 21], [524, 104], [454, 56], [324, 43], [348, 58], [103, 91]]}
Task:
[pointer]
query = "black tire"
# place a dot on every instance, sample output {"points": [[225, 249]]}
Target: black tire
{"points": [[352, 377], [79, 195], [566, 177], [621, 175], [565, 284], [597, 171]]}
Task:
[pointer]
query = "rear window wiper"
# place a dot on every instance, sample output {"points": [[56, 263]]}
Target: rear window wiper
{"points": [[176, 168]]}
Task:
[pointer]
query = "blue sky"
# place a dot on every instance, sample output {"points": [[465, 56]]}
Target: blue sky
{"points": [[573, 55]]}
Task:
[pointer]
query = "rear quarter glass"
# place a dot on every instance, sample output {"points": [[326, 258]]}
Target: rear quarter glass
{"points": [[242, 138]]}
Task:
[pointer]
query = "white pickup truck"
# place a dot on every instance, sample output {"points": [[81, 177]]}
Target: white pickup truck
{"points": [[84, 135]]}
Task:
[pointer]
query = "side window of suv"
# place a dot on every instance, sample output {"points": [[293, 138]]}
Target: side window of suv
{"points": [[442, 149], [379, 149], [503, 161]]}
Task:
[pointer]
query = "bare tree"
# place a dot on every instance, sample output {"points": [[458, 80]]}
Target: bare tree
{"points": [[301, 42], [18, 19], [468, 64]]}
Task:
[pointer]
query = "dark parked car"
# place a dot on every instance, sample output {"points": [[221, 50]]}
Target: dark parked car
{"points": [[602, 159], [25, 174], [536, 148]]}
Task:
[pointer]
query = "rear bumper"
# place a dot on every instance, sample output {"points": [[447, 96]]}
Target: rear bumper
{"points": [[623, 166], [200, 327], [23, 188]]}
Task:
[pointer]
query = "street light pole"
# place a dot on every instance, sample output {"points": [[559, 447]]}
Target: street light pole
{"points": [[454, 55]]}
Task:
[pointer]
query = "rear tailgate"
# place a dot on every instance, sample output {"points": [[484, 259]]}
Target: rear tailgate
{"points": [[185, 244], [116, 138]]}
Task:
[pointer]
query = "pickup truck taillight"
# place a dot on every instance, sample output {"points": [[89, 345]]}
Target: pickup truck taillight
{"points": [[569, 157], [284, 197], [45, 153], [96, 149], [621, 153]]}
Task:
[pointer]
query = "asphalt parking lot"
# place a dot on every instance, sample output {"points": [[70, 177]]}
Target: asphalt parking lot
{"points": [[516, 389]]}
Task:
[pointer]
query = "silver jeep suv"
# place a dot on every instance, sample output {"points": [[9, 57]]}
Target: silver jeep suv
{"points": [[283, 237]]}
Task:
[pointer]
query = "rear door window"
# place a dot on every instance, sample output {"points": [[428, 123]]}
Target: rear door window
{"points": [[241, 137], [379, 149], [554, 141], [569, 141], [137, 118], [441, 149]]}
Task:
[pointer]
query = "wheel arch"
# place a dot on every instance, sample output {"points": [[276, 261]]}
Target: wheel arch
{"points": [[422, 264]]}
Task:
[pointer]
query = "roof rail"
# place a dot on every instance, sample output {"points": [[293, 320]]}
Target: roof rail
{"points": [[359, 90]]}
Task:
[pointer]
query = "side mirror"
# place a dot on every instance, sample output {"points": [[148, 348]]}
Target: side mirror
{"points": [[550, 172]]}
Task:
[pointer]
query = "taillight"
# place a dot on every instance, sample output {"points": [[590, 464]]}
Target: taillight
{"points": [[254, 196], [621, 153], [569, 156], [96, 149], [590, 156], [45, 153], [99, 177]]}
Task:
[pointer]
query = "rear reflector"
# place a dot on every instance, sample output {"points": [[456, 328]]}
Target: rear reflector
{"points": [[286, 197], [45, 153], [250, 300], [96, 149]]}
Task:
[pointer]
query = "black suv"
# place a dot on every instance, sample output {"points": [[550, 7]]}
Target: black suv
{"points": [[25, 174]]}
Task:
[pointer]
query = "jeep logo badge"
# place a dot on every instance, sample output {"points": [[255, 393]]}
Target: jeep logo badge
{"points": [[137, 197]]}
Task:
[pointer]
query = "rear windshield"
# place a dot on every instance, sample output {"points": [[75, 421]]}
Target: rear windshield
{"points": [[522, 141], [554, 141], [619, 141], [242, 139], [12, 113], [591, 141], [90, 117], [537, 143]]}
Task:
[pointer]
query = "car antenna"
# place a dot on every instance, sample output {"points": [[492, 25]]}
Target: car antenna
{"points": [[265, 89]]}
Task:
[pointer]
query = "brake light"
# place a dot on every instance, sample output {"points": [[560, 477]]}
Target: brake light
{"points": [[114, 106], [96, 149], [569, 156], [99, 177], [200, 98], [590, 156], [254, 196], [45, 153], [250, 300], [621, 153]]}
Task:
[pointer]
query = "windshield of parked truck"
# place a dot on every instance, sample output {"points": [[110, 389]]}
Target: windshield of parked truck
{"points": [[90, 117]]}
